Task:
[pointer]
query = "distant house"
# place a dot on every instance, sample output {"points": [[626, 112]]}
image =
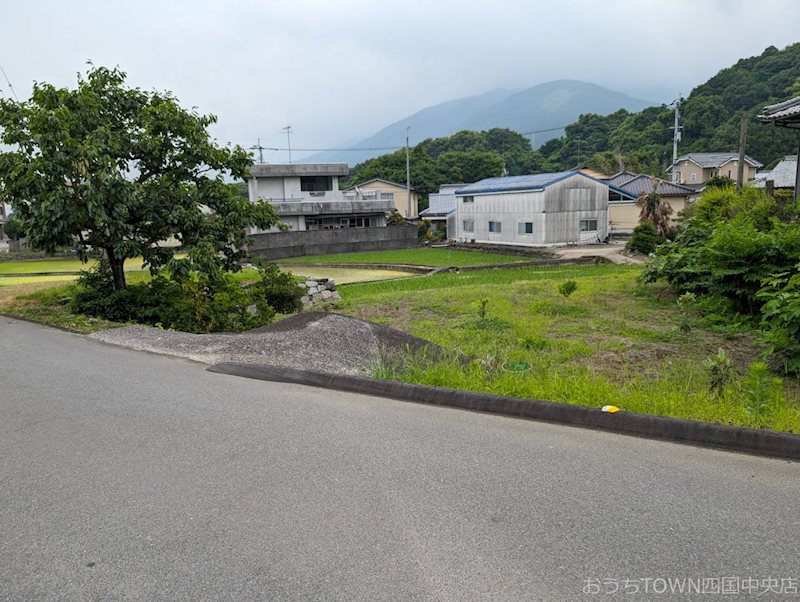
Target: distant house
{"points": [[537, 210], [441, 208], [625, 187], [307, 197], [782, 175], [384, 190], [696, 168]]}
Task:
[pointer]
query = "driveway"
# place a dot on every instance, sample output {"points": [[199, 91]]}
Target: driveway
{"points": [[127, 475]]}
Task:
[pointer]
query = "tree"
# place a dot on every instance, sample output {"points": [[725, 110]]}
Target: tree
{"points": [[653, 209], [13, 228], [106, 166]]}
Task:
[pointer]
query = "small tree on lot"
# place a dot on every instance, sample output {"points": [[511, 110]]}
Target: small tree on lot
{"points": [[106, 166], [654, 210]]}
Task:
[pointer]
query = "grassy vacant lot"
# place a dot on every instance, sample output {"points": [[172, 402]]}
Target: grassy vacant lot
{"points": [[436, 257], [611, 342], [56, 265]]}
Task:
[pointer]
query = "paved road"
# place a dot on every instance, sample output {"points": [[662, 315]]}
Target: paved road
{"points": [[125, 475]]}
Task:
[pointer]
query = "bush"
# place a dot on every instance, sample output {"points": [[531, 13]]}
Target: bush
{"points": [[188, 301], [567, 287], [644, 239]]}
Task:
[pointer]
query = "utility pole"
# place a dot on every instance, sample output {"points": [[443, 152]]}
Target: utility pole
{"points": [[676, 137], [409, 212], [288, 130], [742, 143], [260, 150]]}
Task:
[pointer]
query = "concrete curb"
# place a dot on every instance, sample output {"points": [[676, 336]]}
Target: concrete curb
{"points": [[750, 441]]}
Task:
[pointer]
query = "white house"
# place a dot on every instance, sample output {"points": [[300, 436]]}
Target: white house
{"points": [[307, 196], [567, 207]]}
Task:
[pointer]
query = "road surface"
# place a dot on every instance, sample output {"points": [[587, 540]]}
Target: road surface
{"points": [[127, 475]]}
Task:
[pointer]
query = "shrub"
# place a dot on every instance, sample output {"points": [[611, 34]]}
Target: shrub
{"points": [[567, 287], [644, 239], [189, 301], [761, 390], [720, 369]]}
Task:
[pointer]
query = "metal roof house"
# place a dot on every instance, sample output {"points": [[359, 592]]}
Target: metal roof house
{"points": [[307, 196], [548, 209], [787, 115], [441, 208], [783, 175]]}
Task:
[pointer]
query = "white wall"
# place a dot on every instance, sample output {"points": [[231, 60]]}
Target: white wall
{"points": [[556, 214]]}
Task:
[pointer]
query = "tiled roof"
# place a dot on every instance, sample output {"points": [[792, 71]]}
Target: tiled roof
{"points": [[783, 174], [706, 160], [517, 183], [787, 111], [618, 179], [643, 184]]}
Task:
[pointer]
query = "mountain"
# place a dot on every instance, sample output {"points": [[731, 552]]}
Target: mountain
{"points": [[710, 121], [548, 106]]}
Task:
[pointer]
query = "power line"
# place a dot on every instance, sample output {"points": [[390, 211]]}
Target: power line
{"points": [[383, 148], [8, 81]]}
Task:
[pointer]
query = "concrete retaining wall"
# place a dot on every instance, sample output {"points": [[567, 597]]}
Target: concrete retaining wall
{"points": [[277, 245]]}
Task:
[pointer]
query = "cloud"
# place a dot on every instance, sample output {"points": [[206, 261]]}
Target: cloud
{"points": [[340, 71]]}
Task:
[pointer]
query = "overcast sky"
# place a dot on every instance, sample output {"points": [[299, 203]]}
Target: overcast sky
{"points": [[339, 71]]}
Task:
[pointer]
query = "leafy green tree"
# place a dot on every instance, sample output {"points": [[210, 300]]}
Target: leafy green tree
{"points": [[106, 166]]}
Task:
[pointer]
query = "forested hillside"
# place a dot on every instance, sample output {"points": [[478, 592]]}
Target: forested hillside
{"points": [[710, 118], [622, 140]]}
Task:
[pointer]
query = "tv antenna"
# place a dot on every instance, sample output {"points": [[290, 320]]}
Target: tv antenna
{"points": [[260, 150], [288, 130], [8, 81]]}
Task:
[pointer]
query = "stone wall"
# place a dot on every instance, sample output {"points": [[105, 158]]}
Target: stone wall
{"points": [[318, 290], [279, 245]]}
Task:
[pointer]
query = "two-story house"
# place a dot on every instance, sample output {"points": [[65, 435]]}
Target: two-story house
{"points": [[697, 168], [405, 201], [307, 197]]}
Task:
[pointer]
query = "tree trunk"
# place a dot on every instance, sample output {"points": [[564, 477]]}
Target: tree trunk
{"points": [[117, 270]]}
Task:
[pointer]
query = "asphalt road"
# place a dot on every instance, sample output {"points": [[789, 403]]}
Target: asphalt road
{"points": [[126, 475]]}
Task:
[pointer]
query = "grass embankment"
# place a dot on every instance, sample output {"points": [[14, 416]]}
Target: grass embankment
{"points": [[434, 257], [611, 342]]}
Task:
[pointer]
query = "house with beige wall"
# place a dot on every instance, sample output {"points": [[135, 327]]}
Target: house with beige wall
{"points": [[626, 187], [384, 190], [696, 168]]}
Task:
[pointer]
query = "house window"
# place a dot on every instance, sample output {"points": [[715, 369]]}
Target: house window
{"points": [[496, 227], [693, 177], [316, 183], [729, 173], [525, 228], [387, 196], [469, 225], [588, 225], [468, 199]]}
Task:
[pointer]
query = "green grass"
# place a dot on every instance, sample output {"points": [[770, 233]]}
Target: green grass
{"points": [[58, 265], [435, 257], [51, 306], [612, 342]]}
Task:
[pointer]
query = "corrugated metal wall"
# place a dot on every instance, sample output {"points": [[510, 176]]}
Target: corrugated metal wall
{"points": [[555, 214]]}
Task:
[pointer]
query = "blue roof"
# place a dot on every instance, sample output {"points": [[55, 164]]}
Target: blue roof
{"points": [[516, 183]]}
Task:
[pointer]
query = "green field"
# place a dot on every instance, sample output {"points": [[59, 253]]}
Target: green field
{"points": [[435, 257], [56, 265], [612, 342]]}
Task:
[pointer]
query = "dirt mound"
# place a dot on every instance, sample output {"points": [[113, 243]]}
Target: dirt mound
{"points": [[312, 340]]}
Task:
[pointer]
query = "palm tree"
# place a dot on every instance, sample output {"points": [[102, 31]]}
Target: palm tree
{"points": [[653, 209]]}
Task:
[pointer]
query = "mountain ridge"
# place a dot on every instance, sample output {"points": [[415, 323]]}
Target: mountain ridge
{"points": [[546, 106]]}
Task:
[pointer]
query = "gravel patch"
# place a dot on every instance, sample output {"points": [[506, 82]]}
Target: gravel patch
{"points": [[314, 340]]}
